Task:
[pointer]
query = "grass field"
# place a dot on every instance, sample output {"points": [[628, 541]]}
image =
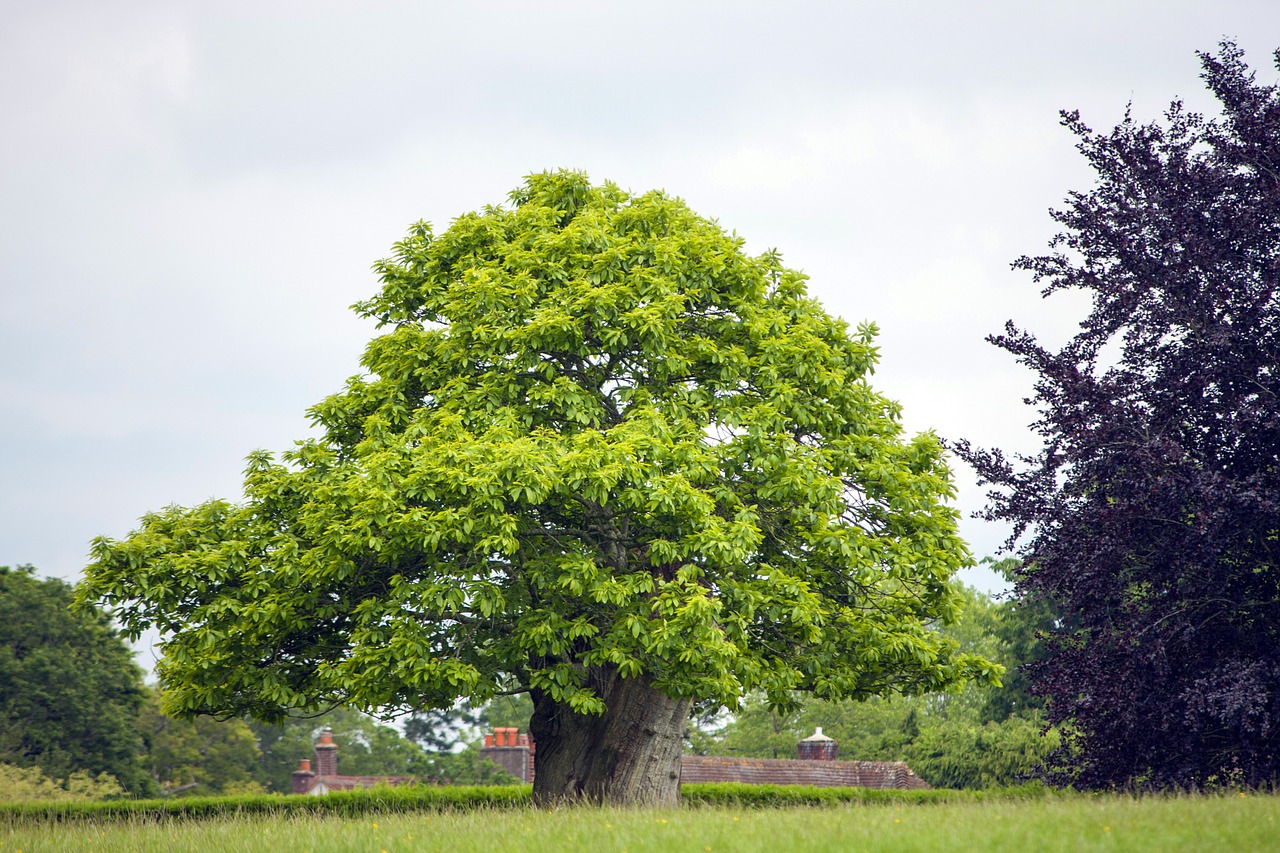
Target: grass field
{"points": [[1075, 823]]}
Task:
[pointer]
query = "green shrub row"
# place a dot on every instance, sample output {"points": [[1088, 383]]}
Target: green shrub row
{"points": [[384, 800], [770, 796], [379, 800]]}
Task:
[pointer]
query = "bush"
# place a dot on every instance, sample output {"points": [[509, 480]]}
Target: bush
{"points": [[31, 785], [776, 796]]}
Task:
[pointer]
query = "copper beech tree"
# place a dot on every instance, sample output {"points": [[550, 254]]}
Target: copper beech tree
{"points": [[1152, 512], [599, 454]]}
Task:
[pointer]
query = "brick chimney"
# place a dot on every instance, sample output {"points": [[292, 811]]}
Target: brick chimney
{"points": [[302, 777], [817, 747], [326, 754], [511, 751]]}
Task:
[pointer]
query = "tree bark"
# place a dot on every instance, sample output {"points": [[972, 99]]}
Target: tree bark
{"points": [[630, 755]]}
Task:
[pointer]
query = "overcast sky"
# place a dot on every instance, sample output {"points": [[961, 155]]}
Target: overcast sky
{"points": [[191, 195]]}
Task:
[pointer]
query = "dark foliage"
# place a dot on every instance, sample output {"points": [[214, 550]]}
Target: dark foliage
{"points": [[1150, 517], [69, 689]]}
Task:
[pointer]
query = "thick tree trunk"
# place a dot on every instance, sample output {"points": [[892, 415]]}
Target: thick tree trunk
{"points": [[630, 755]]}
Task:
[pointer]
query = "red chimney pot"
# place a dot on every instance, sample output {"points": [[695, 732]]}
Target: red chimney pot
{"points": [[326, 754]]}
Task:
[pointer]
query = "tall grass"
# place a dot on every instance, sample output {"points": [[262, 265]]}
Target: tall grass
{"points": [[1053, 823]]}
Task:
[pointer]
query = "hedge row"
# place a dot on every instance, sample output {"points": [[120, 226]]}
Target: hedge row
{"points": [[770, 796], [379, 800], [385, 800]]}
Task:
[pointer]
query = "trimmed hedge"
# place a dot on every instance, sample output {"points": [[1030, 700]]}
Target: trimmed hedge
{"points": [[781, 796], [378, 800], [385, 800]]}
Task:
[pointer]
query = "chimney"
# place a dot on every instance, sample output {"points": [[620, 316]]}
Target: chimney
{"points": [[816, 747], [302, 777], [510, 750], [326, 754]]}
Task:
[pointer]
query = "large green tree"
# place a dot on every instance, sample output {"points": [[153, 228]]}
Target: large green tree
{"points": [[69, 689], [600, 455]]}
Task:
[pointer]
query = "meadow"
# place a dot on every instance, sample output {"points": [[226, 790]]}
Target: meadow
{"points": [[1051, 823]]}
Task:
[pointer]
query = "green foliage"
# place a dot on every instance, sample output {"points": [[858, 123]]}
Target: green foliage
{"points": [[507, 711], [720, 794], [952, 740], [444, 729], [29, 784], [466, 767], [369, 748], [1020, 626], [595, 434], [201, 755], [365, 747], [69, 689], [963, 754], [944, 743], [281, 748], [441, 731]]}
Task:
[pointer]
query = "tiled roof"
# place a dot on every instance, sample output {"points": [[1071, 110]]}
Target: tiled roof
{"points": [[349, 783], [789, 771]]}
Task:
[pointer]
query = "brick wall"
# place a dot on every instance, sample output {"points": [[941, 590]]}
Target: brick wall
{"points": [[785, 771]]}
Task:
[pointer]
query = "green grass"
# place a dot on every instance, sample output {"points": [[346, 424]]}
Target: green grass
{"points": [[1052, 823]]}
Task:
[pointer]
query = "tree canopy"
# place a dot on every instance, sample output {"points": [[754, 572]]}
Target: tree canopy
{"points": [[599, 454], [69, 689], [1152, 512]]}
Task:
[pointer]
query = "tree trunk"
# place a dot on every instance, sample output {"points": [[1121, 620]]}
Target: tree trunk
{"points": [[630, 755]]}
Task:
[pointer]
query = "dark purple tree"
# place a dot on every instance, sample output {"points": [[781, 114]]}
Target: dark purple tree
{"points": [[1150, 520]]}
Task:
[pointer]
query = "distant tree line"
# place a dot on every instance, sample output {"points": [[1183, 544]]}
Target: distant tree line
{"points": [[78, 721]]}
